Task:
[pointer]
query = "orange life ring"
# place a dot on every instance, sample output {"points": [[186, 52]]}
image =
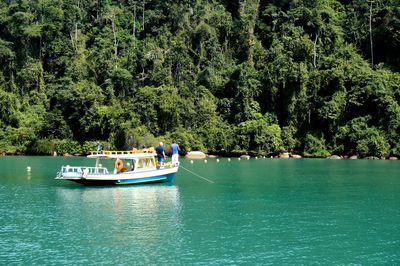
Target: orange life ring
{"points": [[118, 165]]}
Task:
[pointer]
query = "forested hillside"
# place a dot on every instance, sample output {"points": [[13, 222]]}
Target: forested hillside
{"points": [[216, 75]]}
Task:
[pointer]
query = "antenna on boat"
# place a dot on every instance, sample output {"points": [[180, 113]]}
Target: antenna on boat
{"points": [[202, 177]]}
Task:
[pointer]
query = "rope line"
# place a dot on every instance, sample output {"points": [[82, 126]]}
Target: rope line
{"points": [[208, 180]]}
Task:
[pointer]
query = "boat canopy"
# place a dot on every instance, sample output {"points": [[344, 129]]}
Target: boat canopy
{"points": [[122, 154]]}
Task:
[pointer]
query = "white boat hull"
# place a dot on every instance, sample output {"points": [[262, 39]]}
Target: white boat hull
{"points": [[93, 178]]}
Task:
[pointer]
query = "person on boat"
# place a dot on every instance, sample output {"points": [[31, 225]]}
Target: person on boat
{"points": [[99, 147], [174, 150], [160, 154]]}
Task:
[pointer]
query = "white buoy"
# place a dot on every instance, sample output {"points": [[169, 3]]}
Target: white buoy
{"points": [[263, 157], [229, 159], [100, 165], [248, 158], [256, 158], [238, 159], [28, 168], [217, 160], [205, 161], [191, 161]]}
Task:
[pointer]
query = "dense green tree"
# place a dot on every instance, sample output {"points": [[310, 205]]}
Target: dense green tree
{"points": [[315, 146], [317, 77]]}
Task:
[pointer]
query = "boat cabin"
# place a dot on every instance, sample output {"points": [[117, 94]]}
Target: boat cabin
{"points": [[140, 164]]}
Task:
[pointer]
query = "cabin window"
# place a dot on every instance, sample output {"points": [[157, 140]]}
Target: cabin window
{"points": [[145, 163]]}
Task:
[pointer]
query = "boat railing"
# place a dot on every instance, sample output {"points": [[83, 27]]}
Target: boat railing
{"points": [[133, 151], [169, 165], [84, 169]]}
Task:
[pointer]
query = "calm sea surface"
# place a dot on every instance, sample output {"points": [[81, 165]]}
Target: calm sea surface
{"points": [[257, 212]]}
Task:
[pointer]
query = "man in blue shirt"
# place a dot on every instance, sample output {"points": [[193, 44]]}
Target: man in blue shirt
{"points": [[175, 154], [160, 154], [99, 147]]}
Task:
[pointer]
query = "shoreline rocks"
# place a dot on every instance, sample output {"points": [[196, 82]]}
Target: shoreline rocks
{"points": [[284, 155], [196, 155]]}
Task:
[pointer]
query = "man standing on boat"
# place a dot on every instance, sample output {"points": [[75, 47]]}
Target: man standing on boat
{"points": [[99, 147], [160, 154], [174, 150]]}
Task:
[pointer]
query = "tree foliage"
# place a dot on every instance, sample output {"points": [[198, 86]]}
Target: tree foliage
{"points": [[216, 75]]}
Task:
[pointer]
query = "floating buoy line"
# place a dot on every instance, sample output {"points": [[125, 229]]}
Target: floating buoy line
{"points": [[205, 161], [229, 159]]}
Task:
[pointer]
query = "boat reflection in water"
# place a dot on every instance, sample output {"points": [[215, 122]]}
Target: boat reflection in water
{"points": [[142, 215]]}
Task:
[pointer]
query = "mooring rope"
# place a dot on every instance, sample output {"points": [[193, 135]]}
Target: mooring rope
{"points": [[208, 180]]}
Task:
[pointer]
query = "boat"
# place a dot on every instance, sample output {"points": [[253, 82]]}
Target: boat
{"points": [[130, 167]]}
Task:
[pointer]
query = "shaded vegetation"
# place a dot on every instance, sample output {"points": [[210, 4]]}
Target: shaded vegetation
{"points": [[219, 76]]}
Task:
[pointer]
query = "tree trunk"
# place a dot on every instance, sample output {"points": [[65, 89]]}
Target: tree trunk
{"points": [[72, 41], [97, 9], [143, 15], [315, 51], [76, 28], [76, 34], [76, 25], [115, 36], [40, 41], [370, 34], [134, 25]]}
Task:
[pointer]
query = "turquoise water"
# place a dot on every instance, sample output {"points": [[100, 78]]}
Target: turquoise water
{"points": [[257, 212]]}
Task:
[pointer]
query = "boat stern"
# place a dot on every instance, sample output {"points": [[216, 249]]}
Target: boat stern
{"points": [[79, 172]]}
